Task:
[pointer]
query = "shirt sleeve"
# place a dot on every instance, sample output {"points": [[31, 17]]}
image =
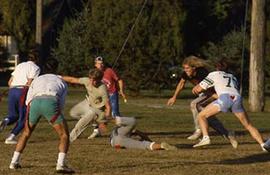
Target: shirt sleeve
{"points": [[207, 82], [105, 95], [63, 96], [84, 81]]}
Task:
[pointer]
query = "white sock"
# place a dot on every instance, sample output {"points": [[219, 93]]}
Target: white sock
{"points": [[205, 137], [61, 159], [16, 157], [96, 130]]}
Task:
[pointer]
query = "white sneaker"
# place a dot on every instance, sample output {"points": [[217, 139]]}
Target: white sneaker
{"points": [[64, 169], [167, 146], [95, 133], [203, 142], [14, 166], [197, 134], [11, 141], [232, 139]]}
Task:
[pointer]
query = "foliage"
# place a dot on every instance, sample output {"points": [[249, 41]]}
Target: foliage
{"points": [[18, 20], [101, 29]]}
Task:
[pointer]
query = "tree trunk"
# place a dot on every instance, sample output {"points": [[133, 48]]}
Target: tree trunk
{"points": [[257, 48]]}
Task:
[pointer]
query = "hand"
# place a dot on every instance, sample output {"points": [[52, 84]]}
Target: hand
{"points": [[171, 101], [196, 90], [123, 95]]}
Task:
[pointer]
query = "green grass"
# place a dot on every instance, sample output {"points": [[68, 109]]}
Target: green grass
{"points": [[162, 123]]}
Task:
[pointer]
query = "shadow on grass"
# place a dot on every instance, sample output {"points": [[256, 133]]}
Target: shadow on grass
{"points": [[262, 157]]}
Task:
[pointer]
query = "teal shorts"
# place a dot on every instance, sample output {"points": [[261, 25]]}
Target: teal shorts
{"points": [[46, 106]]}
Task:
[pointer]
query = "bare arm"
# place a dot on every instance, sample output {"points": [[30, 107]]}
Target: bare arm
{"points": [[70, 79], [121, 89], [197, 89], [10, 81], [178, 89]]}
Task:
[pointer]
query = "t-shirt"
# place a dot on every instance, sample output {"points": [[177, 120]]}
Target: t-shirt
{"points": [[97, 96], [201, 73], [48, 84], [224, 83], [23, 72], [110, 79]]}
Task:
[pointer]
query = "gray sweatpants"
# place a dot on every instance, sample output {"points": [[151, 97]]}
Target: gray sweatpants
{"points": [[120, 136], [85, 114]]}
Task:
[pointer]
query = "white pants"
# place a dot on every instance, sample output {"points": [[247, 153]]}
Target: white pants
{"points": [[85, 114]]}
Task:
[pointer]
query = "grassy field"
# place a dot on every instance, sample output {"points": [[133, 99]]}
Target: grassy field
{"points": [[170, 124]]}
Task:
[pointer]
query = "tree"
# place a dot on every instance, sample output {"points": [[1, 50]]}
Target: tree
{"points": [[18, 20], [155, 44], [257, 48]]}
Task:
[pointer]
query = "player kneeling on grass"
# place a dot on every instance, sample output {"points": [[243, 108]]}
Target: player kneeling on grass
{"points": [[46, 97], [95, 108], [121, 136], [229, 99]]}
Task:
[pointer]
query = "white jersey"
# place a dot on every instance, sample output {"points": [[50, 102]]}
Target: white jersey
{"points": [[23, 72], [48, 84], [224, 83]]}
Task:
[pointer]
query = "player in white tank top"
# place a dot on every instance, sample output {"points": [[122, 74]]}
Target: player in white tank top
{"points": [[229, 98]]}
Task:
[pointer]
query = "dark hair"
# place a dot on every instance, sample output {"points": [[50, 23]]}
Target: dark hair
{"points": [[33, 55], [51, 65], [96, 74], [222, 65]]}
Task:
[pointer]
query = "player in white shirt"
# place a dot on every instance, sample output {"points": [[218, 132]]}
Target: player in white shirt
{"points": [[229, 99], [46, 97], [19, 82]]}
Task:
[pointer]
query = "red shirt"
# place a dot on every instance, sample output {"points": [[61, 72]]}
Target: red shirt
{"points": [[110, 79]]}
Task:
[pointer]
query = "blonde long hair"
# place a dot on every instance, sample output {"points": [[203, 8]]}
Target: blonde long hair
{"points": [[194, 61]]}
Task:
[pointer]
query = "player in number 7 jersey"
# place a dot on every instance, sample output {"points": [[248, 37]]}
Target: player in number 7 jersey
{"points": [[229, 99]]}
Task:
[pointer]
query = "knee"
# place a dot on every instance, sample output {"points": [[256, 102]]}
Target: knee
{"points": [[193, 105]]}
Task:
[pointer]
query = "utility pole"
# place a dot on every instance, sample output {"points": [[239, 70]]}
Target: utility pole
{"points": [[39, 5], [257, 54]]}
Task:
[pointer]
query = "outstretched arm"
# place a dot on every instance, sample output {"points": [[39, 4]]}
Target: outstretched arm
{"points": [[70, 79], [178, 89]]}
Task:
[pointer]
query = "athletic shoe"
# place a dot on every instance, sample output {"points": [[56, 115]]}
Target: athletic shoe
{"points": [[10, 141], [197, 134], [203, 142], [64, 169], [232, 139], [266, 146], [94, 134], [3, 124], [14, 166], [167, 146]]}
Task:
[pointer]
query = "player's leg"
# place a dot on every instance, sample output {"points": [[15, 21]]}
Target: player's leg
{"points": [[19, 126], [208, 111], [79, 109], [114, 100], [62, 131], [242, 116], [82, 124], [13, 101], [29, 127]]}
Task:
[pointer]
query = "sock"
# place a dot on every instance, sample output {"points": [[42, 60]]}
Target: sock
{"points": [[205, 137], [16, 157], [61, 159], [96, 130]]}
